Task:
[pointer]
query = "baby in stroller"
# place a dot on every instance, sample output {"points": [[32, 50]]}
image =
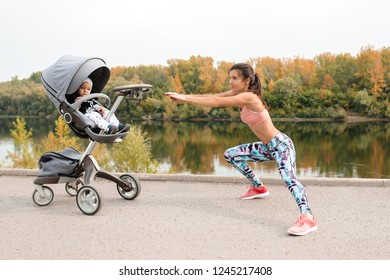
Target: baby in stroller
{"points": [[69, 83], [96, 112]]}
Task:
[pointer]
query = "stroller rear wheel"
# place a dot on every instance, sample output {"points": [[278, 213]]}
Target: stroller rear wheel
{"points": [[44, 197], [88, 200], [73, 187], [134, 187]]}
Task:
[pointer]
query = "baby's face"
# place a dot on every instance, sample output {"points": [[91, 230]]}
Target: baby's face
{"points": [[84, 89]]}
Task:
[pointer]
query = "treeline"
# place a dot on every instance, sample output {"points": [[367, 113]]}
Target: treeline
{"points": [[328, 86]]}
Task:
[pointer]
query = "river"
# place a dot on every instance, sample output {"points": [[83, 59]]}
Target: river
{"points": [[337, 149]]}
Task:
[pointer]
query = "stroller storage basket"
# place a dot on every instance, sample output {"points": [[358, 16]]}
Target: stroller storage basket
{"points": [[62, 163]]}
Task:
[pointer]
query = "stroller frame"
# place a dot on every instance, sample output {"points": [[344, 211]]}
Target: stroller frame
{"points": [[87, 198]]}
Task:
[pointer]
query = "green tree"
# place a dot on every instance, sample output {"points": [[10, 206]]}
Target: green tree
{"points": [[133, 154], [367, 104], [344, 73], [326, 65], [287, 87]]}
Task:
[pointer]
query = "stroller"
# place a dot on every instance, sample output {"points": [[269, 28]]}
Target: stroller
{"points": [[75, 170]]}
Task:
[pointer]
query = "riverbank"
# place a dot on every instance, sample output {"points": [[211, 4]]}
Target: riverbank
{"points": [[188, 178], [349, 118]]}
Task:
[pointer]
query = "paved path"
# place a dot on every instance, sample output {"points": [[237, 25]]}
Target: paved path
{"points": [[195, 217]]}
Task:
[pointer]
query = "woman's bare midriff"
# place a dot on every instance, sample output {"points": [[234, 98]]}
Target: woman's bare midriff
{"points": [[265, 131]]}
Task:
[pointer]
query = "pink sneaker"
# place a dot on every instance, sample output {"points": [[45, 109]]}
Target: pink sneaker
{"points": [[303, 226], [253, 192]]}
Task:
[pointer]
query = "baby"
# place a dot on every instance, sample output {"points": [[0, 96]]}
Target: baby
{"points": [[98, 113]]}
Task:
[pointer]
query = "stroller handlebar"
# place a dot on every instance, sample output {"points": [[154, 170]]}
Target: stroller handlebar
{"points": [[134, 91], [78, 102]]}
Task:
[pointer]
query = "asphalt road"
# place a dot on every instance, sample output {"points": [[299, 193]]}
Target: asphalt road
{"points": [[188, 217]]}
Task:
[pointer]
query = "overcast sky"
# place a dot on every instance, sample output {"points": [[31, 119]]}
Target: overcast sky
{"points": [[35, 33]]}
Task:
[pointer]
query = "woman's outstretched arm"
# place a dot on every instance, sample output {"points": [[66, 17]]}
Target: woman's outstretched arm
{"points": [[226, 99]]}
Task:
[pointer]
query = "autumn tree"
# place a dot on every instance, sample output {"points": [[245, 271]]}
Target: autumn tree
{"points": [[371, 71], [175, 84], [301, 70], [272, 69], [385, 54], [222, 76], [62, 138], [326, 65]]}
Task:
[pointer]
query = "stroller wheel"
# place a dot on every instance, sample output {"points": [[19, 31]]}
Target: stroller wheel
{"points": [[88, 200], [44, 197], [134, 187], [73, 187]]}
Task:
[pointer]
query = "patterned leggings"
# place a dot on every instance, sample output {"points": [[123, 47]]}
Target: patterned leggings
{"points": [[281, 149]]}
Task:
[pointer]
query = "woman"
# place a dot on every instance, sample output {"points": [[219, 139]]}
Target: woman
{"points": [[246, 92]]}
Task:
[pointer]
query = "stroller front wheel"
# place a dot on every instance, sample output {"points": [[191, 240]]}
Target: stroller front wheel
{"points": [[88, 200], [134, 186], [43, 197]]}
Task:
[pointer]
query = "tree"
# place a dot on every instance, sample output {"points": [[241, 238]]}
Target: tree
{"points": [[206, 74], [371, 71], [196, 75], [385, 54], [61, 139], [175, 84], [24, 156], [222, 76], [133, 154], [344, 73], [36, 77], [302, 70], [272, 68], [326, 66], [286, 87]]}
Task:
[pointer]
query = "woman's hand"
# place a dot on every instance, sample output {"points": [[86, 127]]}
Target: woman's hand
{"points": [[176, 97]]}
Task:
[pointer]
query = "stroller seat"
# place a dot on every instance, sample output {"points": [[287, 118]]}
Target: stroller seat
{"points": [[84, 127]]}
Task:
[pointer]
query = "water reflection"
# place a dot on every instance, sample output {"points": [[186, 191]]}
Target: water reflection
{"points": [[323, 149], [358, 150]]}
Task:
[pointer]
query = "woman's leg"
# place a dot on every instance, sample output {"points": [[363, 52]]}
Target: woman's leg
{"points": [[253, 152], [285, 156]]}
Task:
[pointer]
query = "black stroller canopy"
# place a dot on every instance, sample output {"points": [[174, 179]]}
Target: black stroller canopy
{"points": [[66, 75]]}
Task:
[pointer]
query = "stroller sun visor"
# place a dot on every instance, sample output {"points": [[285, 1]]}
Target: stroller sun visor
{"points": [[66, 75]]}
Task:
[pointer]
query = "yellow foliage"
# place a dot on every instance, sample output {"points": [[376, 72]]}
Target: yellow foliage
{"points": [[61, 139], [24, 156], [20, 133]]}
